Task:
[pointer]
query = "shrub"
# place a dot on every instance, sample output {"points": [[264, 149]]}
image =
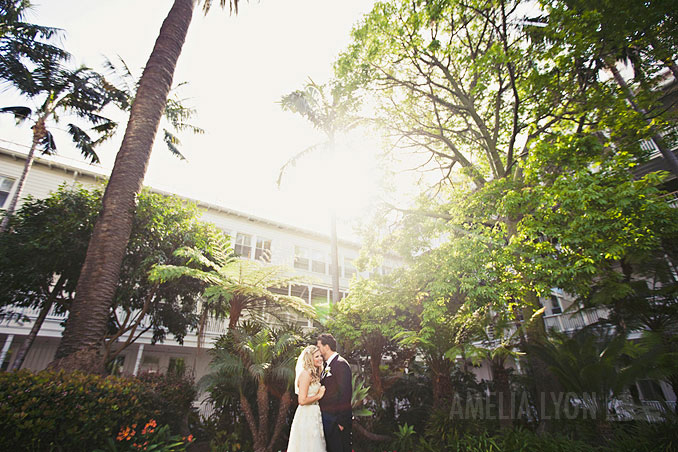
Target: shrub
{"points": [[176, 394], [47, 411], [61, 411]]}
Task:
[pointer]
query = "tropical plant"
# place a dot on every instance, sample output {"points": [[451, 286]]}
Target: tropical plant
{"points": [[263, 360], [234, 286], [597, 366], [86, 324], [81, 93], [176, 113], [24, 45], [331, 117]]}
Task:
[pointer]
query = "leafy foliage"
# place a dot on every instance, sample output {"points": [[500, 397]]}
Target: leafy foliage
{"points": [[33, 407]]}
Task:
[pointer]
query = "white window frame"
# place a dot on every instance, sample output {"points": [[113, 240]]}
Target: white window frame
{"points": [[261, 253], [242, 246], [12, 180]]}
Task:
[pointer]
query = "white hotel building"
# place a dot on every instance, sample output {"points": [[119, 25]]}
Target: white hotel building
{"points": [[306, 252]]}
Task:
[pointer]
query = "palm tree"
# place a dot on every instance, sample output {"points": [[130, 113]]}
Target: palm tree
{"points": [[176, 113], [86, 324], [22, 42], [263, 359], [596, 367], [80, 92], [331, 117]]}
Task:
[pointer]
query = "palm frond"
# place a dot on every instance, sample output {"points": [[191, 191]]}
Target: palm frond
{"points": [[20, 113], [47, 144], [171, 141], [83, 142]]}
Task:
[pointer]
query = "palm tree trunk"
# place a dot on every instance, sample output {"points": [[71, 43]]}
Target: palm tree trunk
{"points": [[249, 417], [281, 418], [335, 256], [28, 342], [262, 405], [86, 324], [39, 131], [234, 314]]}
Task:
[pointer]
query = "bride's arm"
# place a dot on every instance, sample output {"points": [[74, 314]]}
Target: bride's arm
{"points": [[304, 383]]}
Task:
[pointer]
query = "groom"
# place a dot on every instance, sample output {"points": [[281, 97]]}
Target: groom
{"points": [[336, 404]]}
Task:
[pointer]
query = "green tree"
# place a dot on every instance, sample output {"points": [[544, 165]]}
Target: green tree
{"points": [[599, 35], [81, 93], [368, 318], [264, 361], [96, 288], [41, 256], [24, 45], [234, 286], [43, 253]]}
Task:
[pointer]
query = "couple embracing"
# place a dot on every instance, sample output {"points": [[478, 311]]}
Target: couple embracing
{"points": [[323, 420]]}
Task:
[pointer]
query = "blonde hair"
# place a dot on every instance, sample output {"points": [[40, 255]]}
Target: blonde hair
{"points": [[307, 360]]}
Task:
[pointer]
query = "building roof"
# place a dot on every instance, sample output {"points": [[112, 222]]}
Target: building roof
{"points": [[98, 172]]}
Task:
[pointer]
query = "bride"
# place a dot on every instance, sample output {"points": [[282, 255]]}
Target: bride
{"points": [[307, 434]]}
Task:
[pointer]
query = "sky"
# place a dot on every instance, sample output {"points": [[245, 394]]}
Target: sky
{"points": [[237, 68]]}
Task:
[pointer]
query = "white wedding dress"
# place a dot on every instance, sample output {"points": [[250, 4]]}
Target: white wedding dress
{"points": [[307, 434]]}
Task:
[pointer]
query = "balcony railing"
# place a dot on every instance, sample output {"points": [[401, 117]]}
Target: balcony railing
{"points": [[567, 322]]}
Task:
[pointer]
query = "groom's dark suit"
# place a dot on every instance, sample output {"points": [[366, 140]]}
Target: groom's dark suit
{"points": [[336, 405]]}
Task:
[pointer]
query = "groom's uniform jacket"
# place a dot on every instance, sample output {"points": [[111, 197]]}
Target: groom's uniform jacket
{"points": [[337, 398]]}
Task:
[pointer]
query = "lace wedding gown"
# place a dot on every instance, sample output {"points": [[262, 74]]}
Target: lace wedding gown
{"points": [[307, 434]]}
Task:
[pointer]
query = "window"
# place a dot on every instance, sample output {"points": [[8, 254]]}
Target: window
{"points": [[6, 184], [651, 390], [349, 269], [319, 297], [177, 367], [300, 291], [263, 250], [150, 364], [116, 366], [318, 263], [301, 257], [243, 245], [555, 305], [5, 364]]}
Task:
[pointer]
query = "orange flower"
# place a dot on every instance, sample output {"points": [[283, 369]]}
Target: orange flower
{"points": [[190, 438], [149, 427], [125, 434]]}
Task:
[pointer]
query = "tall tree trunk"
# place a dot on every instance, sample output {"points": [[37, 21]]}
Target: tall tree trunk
{"points": [[336, 296], [443, 391], [502, 387], [281, 418], [86, 324], [543, 382], [669, 156], [39, 132], [234, 314], [28, 342], [260, 442], [375, 347], [333, 238]]}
